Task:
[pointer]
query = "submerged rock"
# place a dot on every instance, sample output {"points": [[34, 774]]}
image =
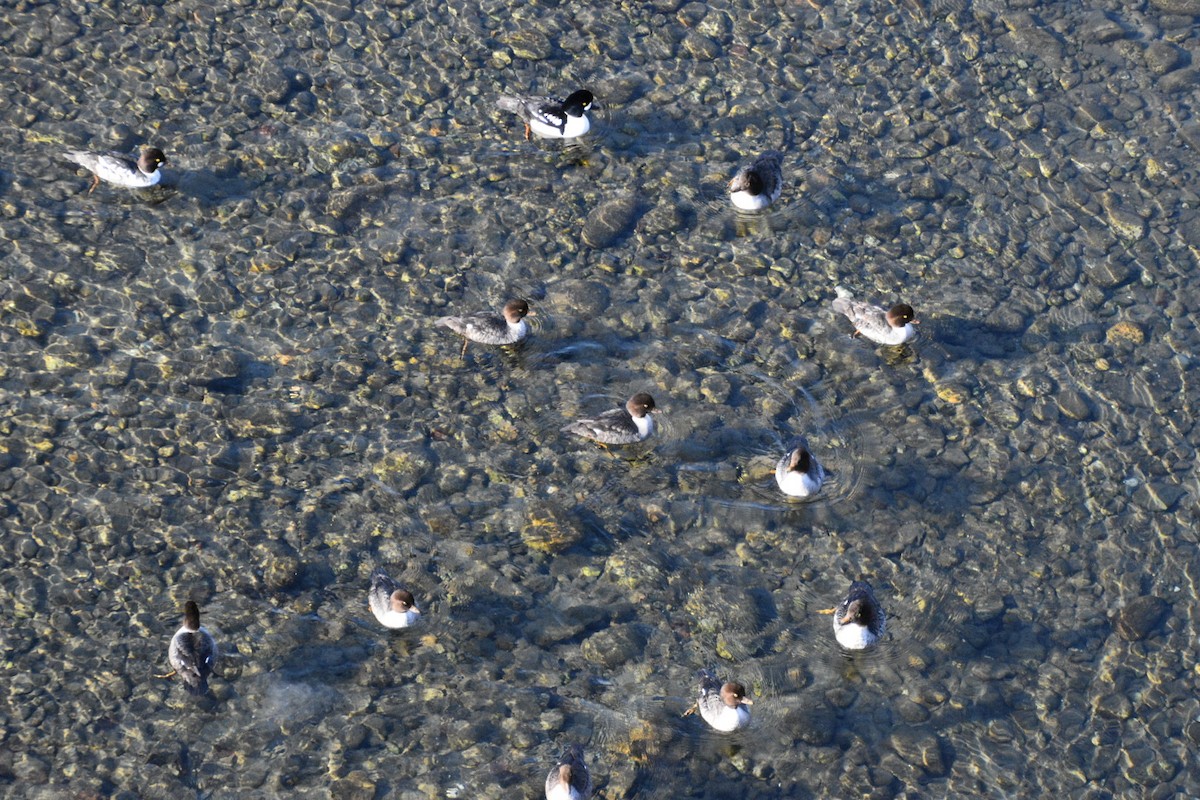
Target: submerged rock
{"points": [[610, 221], [1140, 617]]}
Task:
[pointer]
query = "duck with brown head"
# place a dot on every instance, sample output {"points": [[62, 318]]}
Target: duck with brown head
{"points": [[393, 605], [486, 327], [892, 326], [723, 705], [759, 183], [627, 425]]}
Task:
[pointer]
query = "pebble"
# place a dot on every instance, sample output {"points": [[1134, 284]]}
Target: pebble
{"points": [[1162, 57], [1099, 28], [610, 221], [584, 299], [812, 723], [529, 44], [701, 47], [1140, 617], [614, 646], [1180, 7], [574, 623], [1074, 404], [357, 785], [1158, 496], [919, 749], [1180, 80], [1125, 331]]}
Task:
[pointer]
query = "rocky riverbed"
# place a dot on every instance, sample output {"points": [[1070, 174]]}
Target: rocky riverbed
{"points": [[228, 388]]}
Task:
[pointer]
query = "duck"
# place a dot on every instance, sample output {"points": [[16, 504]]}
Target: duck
{"points": [[626, 425], [393, 606], [723, 705], [858, 621], [569, 780], [759, 183], [192, 652], [549, 117], [485, 327], [121, 170], [893, 326], [798, 473]]}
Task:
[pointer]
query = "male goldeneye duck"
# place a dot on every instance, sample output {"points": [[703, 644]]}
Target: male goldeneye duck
{"points": [[759, 183], [893, 326], [798, 473], [627, 425], [858, 621], [485, 327], [121, 170], [392, 606], [724, 706], [569, 780], [193, 651], [549, 117]]}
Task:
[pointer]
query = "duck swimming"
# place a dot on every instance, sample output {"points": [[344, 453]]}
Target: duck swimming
{"points": [[140, 173], [393, 606], [627, 425], [569, 780], [724, 706], [891, 327], [193, 651]]}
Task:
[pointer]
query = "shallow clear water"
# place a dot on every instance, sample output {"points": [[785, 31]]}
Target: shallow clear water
{"points": [[229, 389]]}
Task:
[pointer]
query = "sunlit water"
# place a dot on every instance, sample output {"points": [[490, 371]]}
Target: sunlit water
{"points": [[229, 389]]}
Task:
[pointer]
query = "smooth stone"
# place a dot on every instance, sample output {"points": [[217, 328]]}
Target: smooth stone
{"points": [[529, 44], [1157, 496], [1125, 331], [403, 470], [812, 723], [701, 47], [1074, 404], [271, 83], [919, 749], [1114, 706], [281, 572], [609, 221], [1179, 80], [571, 624], [1099, 28], [585, 299], [911, 712], [1140, 617], [357, 785], [1181, 7], [1162, 57], [612, 647]]}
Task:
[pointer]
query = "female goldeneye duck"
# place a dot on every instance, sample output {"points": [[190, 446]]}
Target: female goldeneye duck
{"points": [[569, 780], [485, 327], [724, 706], [549, 117], [627, 425], [193, 651], [392, 606], [759, 183], [121, 170], [798, 473], [858, 621], [892, 327]]}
